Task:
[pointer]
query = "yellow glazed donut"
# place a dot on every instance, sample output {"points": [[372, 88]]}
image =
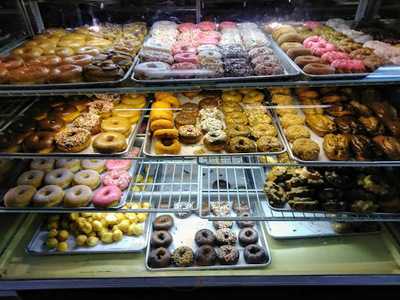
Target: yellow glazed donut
{"points": [[171, 99], [231, 96], [116, 124], [99, 43], [126, 111], [160, 95], [253, 97], [75, 43], [133, 100]]}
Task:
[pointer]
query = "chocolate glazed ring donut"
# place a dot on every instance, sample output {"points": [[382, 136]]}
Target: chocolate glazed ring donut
{"points": [[204, 237], [243, 224], [161, 238], [205, 256], [163, 222], [159, 258], [248, 236], [255, 254]]}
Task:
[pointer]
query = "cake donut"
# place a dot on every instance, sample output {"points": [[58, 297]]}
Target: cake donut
{"points": [[318, 69], [107, 196], [48, 196], [117, 164], [119, 178], [19, 196], [45, 165]]}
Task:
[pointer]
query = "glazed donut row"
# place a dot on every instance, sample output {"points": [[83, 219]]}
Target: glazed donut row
{"points": [[70, 183], [59, 125]]}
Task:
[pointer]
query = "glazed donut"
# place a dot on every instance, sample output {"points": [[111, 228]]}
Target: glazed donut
{"points": [[93, 164], [45, 165], [110, 142], [116, 124], [72, 139], [147, 68], [134, 100], [166, 133], [117, 164], [32, 177], [107, 196], [127, 112], [321, 49], [11, 62], [253, 97], [330, 56], [30, 74], [78, 196], [289, 37], [46, 61], [19, 196], [89, 178], [61, 177], [31, 52], [51, 123], [88, 50], [79, 59], [66, 74], [318, 69], [167, 146], [161, 124], [48, 196], [231, 96], [119, 178], [307, 59], [289, 45], [186, 58], [41, 142], [64, 52], [171, 99]]}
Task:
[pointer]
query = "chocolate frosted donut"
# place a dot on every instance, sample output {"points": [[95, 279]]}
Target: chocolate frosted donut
{"points": [[255, 254], [163, 222], [205, 256], [228, 255], [248, 236], [243, 224], [204, 237], [159, 258], [161, 238]]}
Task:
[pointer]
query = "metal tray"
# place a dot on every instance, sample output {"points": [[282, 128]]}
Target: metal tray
{"points": [[128, 244], [291, 72], [183, 234], [87, 153], [90, 207], [187, 150]]}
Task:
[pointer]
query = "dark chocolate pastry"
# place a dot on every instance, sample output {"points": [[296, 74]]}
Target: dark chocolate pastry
{"points": [[255, 254], [383, 109], [390, 146], [375, 184], [276, 194], [205, 256], [371, 125], [359, 108], [338, 179], [362, 147], [336, 146], [303, 204], [338, 110], [347, 124], [393, 126], [248, 236], [159, 258]]}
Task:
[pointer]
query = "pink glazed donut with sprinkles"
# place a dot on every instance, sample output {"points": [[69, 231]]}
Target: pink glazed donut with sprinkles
{"points": [[116, 164], [119, 178]]}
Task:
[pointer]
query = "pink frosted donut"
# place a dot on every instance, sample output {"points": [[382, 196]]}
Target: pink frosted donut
{"points": [[207, 26], [321, 49], [330, 56], [180, 48], [312, 24], [186, 57], [186, 27], [313, 40], [348, 65], [117, 164], [184, 66], [119, 178], [107, 196], [227, 25]]}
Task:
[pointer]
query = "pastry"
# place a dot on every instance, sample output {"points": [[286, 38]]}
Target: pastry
{"points": [[362, 147], [32, 177], [305, 149], [289, 120], [204, 237], [48, 196], [371, 125], [254, 254], [390, 146], [320, 124], [72, 139], [225, 236], [347, 125], [248, 236], [227, 255], [163, 222], [19, 196], [159, 258], [336, 146], [89, 178], [205, 256], [240, 144], [77, 196], [167, 146], [160, 238], [295, 132], [268, 144], [107, 196], [109, 142]]}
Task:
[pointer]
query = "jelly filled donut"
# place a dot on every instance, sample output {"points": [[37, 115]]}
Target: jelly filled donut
{"points": [[107, 196]]}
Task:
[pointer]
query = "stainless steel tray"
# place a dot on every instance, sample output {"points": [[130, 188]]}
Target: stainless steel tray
{"points": [[128, 244], [291, 72], [306, 229], [87, 153], [188, 150], [183, 234]]}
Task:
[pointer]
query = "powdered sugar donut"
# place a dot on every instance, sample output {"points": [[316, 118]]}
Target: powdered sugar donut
{"points": [[207, 26], [330, 56], [321, 49], [348, 65], [119, 178], [313, 40], [107, 196], [116, 164], [186, 27], [186, 57]]}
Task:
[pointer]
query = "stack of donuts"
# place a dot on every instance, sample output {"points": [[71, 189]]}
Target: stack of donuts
{"points": [[70, 183], [73, 126], [70, 56]]}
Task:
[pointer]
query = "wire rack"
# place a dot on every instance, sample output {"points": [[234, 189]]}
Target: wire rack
{"points": [[243, 160], [169, 186], [11, 109]]}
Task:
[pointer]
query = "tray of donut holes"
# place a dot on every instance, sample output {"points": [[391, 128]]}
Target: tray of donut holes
{"points": [[83, 56], [97, 126], [89, 184], [184, 241], [337, 125], [211, 124], [90, 233]]}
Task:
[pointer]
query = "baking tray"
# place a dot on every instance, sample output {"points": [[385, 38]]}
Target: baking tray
{"points": [[306, 229], [183, 234], [90, 207], [188, 150], [67, 85], [291, 72], [87, 153], [323, 160], [128, 244]]}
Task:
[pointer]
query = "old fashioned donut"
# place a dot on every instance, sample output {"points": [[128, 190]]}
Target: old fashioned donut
{"points": [[107, 196], [31, 177], [241, 144], [48, 196], [318, 69], [160, 238], [110, 142], [72, 139], [116, 124], [289, 45], [163, 222], [78, 196], [19, 196], [89, 178]]}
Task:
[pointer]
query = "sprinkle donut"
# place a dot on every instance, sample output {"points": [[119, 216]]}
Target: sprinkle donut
{"points": [[107, 196], [348, 65], [116, 164], [186, 57], [184, 66], [119, 178], [330, 56], [313, 40], [322, 49]]}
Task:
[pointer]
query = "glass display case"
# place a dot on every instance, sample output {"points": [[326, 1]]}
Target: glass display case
{"points": [[199, 143]]}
